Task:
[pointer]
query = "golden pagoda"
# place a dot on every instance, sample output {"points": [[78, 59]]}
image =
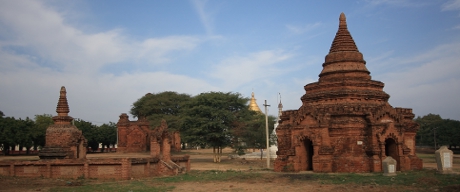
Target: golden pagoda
{"points": [[253, 105]]}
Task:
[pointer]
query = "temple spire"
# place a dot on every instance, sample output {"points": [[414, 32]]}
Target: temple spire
{"points": [[344, 58], [253, 104], [62, 106], [342, 20], [343, 40], [280, 108], [62, 109]]}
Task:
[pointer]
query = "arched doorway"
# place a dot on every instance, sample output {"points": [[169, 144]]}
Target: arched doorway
{"points": [[309, 154], [391, 149]]}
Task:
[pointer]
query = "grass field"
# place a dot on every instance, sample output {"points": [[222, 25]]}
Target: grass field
{"points": [[425, 180]]}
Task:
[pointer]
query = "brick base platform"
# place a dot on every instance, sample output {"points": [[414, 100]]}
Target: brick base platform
{"points": [[117, 168]]}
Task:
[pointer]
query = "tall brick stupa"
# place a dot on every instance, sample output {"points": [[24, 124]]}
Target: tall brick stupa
{"points": [[345, 123], [63, 140]]}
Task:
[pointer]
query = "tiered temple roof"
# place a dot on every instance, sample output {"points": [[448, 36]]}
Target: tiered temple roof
{"points": [[344, 76], [62, 109]]}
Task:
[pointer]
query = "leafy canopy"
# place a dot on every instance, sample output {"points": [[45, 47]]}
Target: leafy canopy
{"points": [[166, 105], [210, 118], [432, 126]]}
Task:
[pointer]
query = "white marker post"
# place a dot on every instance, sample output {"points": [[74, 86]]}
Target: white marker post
{"points": [[266, 133]]}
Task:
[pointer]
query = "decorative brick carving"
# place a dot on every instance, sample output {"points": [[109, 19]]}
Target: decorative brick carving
{"points": [[347, 118]]}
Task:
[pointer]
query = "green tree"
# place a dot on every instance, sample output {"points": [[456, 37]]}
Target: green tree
{"points": [[448, 133], [90, 132], [428, 124], [434, 129], [23, 136], [7, 133], [42, 122], [15, 132], [107, 134], [253, 134], [165, 105], [210, 117]]}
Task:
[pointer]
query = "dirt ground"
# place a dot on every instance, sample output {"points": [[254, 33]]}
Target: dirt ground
{"points": [[202, 160]]}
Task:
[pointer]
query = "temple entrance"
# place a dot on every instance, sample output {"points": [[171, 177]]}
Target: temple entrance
{"points": [[309, 154], [391, 149]]}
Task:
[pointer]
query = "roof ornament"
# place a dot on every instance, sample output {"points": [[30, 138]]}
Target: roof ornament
{"points": [[62, 109], [343, 20]]}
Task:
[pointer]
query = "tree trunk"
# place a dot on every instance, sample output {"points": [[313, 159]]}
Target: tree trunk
{"points": [[214, 154], [219, 155], [261, 153], [217, 152]]}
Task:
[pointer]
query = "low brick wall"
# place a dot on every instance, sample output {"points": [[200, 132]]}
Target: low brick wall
{"points": [[117, 168]]}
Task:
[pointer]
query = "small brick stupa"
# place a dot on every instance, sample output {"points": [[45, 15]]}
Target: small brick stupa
{"points": [[345, 123], [63, 140]]}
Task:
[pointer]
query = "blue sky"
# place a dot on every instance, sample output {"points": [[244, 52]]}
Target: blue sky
{"points": [[108, 54]]}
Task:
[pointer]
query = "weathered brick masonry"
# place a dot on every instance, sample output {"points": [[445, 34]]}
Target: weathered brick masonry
{"points": [[345, 123], [64, 154], [63, 140], [134, 136], [117, 168]]}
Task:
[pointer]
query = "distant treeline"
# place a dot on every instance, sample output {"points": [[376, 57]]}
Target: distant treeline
{"points": [[30, 134], [434, 129]]}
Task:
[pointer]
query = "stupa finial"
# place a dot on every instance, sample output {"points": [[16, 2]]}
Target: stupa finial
{"points": [[62, 109], [343, 19], [62, 106]]}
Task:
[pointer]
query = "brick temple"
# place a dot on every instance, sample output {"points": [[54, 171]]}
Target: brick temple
{"points": [[64, 154], [345, 123], [63, 140], [137, 136]]}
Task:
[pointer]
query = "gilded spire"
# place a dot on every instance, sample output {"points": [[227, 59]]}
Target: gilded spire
{"points": [[62, 109], [253, 105]]}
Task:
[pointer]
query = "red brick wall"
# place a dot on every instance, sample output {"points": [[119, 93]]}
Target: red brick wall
{"points": [[96, 168]]}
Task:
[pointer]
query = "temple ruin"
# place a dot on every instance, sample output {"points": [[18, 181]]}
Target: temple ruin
{"points": [[64, 154], [345, 123], [136, 136], [63, 140]]}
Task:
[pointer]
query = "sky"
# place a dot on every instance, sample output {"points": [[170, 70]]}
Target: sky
{"points": [[108, 54]]}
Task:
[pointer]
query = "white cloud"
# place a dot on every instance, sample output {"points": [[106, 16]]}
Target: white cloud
{"points": [[43, 52], [40, 29], [303, 29], [451, 5], [431, 83], [238, 70], [205, 17], [156, 50]]}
